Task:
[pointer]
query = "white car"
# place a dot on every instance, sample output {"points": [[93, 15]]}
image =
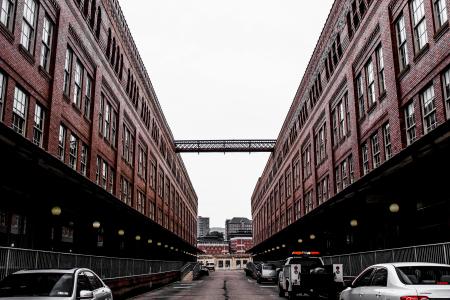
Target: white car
{"points": [[72, 284], [401, 281]]}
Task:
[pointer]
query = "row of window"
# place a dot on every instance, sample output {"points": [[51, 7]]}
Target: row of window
{"points": [[419, 25]]}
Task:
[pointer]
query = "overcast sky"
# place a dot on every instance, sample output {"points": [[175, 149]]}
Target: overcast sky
{"points": [[225, 69]]}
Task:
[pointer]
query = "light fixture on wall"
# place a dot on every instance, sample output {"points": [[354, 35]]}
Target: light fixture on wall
{"points": [[354, 223], [394, 208], [312, 236], [56, 211], [137, 238], [96, 224], [300, 241], [121, 232]]}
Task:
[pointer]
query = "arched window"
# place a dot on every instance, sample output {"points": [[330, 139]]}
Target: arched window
{"points": [[99, 22], [93, 6], [108, 47]]}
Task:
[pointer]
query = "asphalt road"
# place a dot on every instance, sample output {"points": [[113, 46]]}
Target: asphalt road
{"points": [[219, 285]]}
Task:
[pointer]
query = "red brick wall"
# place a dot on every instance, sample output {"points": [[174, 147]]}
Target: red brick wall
{"points": [[377, 27], [71, 28]]}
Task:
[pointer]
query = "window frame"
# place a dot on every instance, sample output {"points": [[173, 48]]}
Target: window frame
{"points": [[27, 42], [20, 110], [439, 22], [47, 43], [3, 83], [62, 136], [419, 25], [402, 44], [73, 151], [446, 90], [410, 123], [9, 15], [376, 151], [429, 114], [39, 125]]}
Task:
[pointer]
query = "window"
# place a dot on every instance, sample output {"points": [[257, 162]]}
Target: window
{"points": [[7, 13], [440, 8], [445, 81], [67, 71], [151, 210], [281, 185], [29, 14], [360, 95], [380, 277], [337, 177], [420, 26], [344, 173], [84, 159], [153, 174], [401, 43], [387, 141], [351, 170], [104, 175], [341, 120], [370, 83], [429, 109], [107, 124], [410, 122], [46, 44], [19, 111], [296, 171], [62, 142], [142, 163], [365, 158], [381, 77], [306, 158], [73, 152], [107, 117], [308, 202], [125, 191], [88, 97], [364, 279], [140, 203], [288, 183], [320, 145], [128, 145], [322, 190], [2, 93], [77, 91], [161, 184], [38, 128], [376, 156], [111, 180]]}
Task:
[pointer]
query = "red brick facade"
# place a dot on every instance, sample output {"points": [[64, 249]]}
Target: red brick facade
{"points": [[333, 134], [95, 86], [240, 244]]}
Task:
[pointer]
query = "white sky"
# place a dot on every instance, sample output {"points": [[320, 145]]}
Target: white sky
{"points": [[225, 69]]}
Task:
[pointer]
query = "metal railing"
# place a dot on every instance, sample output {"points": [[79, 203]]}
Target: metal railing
{"points": [[354, 263], [15, 259]]}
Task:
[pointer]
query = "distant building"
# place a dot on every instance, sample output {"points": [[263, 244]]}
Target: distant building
{"points": [[202, 226], [240, 244], [218, 229], [238, 227]]}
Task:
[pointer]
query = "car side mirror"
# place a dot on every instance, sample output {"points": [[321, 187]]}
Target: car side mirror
{"points": [[86, 295]]}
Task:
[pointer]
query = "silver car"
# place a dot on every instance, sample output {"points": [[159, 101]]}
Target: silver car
{"points": [[69, 284], [402, 281], [268, 273]]}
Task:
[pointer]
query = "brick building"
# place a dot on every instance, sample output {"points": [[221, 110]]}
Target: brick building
{"points": [[364, 144], [214, 248], [73, 88], [240, 244]]}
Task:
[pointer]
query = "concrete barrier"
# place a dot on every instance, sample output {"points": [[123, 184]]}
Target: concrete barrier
{"points": [[125, 287]]}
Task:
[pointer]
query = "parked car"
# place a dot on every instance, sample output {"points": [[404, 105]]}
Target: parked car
{"points": [[211, 266], [252, 269], [69, 284], [203, 271], [268, 273], [404, 281]]}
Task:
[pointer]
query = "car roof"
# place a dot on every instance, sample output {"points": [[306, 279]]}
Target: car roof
{"points": [[38, 271], [410, 264]]}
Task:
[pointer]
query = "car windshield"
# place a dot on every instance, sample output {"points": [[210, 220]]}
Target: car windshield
{"points": [[424, 275], [310, 262], [37, 285], [269, 267]]}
